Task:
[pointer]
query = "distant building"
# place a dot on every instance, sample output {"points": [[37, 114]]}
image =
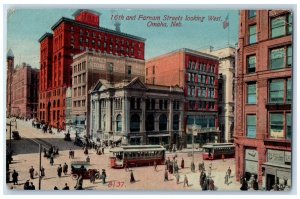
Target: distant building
{"points": [[9, 74], [70, 37], [69, 121], [25, 91], [197, 74], [263, 130], [226, 91], [88, 67], [137, 112]]}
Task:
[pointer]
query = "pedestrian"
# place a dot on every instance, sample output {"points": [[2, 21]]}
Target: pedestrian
{"points": [[244, 186], [88, 159], [229, 172], [51, 160], [32, 187], [192, 166], [73, 154], [155, 166], [177, 178], [27, 185], [185, 181], [223, 157], [226, 178], [70, 154], [132, 180], [102, 150], [31, 172], [103, 176], [65, 169], [15, 177], [211, 185], [66, 187], [166, 175], [45, 153], [42, 172], [205, 184], [79, 183], [209, 169], [59, 171], [56, 151], [126, 166], [55, 188], [92, 177], [182, 163], [255, 185], [86, 151]]}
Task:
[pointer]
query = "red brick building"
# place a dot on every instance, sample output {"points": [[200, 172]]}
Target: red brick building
{"points": [[197, 74], [25, 81], [71, 37], [263, 130]]}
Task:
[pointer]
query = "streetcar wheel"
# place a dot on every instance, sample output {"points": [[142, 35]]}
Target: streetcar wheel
{"points": [[97, 175], [74, 176]]}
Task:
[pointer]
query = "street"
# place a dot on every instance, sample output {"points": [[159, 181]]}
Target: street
{"points": [[26, 154]]}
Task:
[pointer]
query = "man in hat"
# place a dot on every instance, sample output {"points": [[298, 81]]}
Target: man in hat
{"points": [[15, 177], [103, 176], [65, 169], [132, 180], [59, 171], [31, 172], [66, 187]]}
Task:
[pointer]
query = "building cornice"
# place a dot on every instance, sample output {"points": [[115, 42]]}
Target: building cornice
{"points": [[46, 35]]}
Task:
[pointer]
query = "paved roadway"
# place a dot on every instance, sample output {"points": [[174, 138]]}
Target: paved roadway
{"points": [[27, 155]]}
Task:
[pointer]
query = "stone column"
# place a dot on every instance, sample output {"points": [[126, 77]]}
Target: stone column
{"points": [[143, 120], [109, 115]]}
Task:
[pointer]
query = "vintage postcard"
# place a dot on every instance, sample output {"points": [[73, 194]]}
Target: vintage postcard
{"points": [[149, 99]]}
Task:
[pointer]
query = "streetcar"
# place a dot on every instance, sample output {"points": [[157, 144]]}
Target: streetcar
{"points": [[213, 151], [137, 155]]}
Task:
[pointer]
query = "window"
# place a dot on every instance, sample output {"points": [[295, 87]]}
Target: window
{"points": [[153, 70], [251, 64], [289, 56], [119, 123], [251, 93], [135, 123], [128, 70], [251, 13], [251, 126], [289, 93], [176, 122], [277, 58], [252, 34], [289, 126], [110, 67], [281, 26], [276, 125], [150, 123], [277, 91], [163, 122]]}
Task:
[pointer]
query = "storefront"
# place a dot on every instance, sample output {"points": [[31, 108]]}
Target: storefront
{"points": [[277, 169], [251, 163]]}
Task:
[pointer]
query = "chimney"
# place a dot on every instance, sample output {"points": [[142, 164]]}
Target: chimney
{"points": [[117, 25]]}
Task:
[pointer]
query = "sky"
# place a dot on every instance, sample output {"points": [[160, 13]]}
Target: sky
{"points": [[26, 26]]}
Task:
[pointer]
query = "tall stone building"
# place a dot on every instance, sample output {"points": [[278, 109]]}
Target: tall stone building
{"points": [[263, 130], [226, 90], [70, 37], [88, 67], [25, 81]]}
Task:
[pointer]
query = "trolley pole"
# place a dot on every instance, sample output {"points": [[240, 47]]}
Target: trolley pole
{"points": [[40, 166], [10, 135]]}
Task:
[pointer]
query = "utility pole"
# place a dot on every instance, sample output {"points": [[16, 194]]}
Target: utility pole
{"points": [[40, 166]]}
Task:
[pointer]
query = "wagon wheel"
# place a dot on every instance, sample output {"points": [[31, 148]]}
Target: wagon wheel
{"points": [[75, 176], [97, 176]]}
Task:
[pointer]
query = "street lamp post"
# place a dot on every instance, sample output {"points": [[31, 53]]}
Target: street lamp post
{"points": [[40, 166]]}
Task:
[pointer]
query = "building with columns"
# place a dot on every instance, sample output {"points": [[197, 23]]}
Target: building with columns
{"points": [[136, 112], [263, 130], [90, 66]]}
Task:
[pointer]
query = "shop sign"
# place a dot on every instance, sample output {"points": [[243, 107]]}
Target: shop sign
{"points": [[251, 154], [275, 156], [251, 167]]}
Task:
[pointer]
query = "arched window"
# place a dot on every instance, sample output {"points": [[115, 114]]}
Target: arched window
{"points": [[54, 103], [119, 123], [163, 122], [135, 123], [58, 103], [176, 122], [150, 123]]}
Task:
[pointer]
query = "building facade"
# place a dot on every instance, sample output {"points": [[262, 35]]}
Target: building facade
{"points": [[226, 90], [263, 130], [197, 74], [9, 75], [70, 37], [88, 67], [25, 81], [137, 112]]}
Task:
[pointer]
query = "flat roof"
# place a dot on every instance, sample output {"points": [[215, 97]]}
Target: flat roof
{"points": [[113, 32], [47, 34]]}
